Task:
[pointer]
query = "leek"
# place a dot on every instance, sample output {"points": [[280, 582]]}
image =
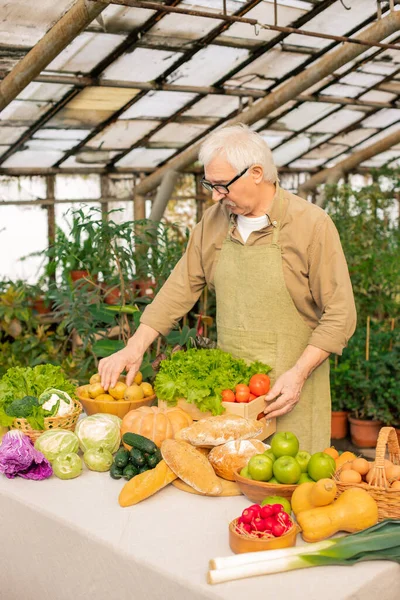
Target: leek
{"points": [[379, 542]]}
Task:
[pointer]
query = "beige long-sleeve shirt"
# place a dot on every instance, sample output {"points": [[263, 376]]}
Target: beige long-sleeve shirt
{"points": [[314, 268]]}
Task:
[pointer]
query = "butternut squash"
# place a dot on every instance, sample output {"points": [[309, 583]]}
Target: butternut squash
{"points": [[311, 495], [354, 510]]}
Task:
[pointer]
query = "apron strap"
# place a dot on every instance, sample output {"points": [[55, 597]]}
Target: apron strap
{"points": [[277, 226]]}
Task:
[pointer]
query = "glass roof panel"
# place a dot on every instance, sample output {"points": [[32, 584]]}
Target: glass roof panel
{"points": [[291, 150], [274, 138], [44, 91], [158, 104], [145, 157], [343, 91], [383, 118], [377, 96], [264, 13], [274, 63], [380, 159], [362, 79], [336, 20], [121, 18], [23, 24], [122, 134], [33, 158], [307, 163], [214, 106], [72, 163], [9, 135], [61, 134], [178, 132], [338, 121], [183, 26], [23, 111], [326, 151], [353, 137], [85, 52], [49, 145], [142, 64], [208, 65], [379, 136], [380, 67], [305, 114], [211, 5]]}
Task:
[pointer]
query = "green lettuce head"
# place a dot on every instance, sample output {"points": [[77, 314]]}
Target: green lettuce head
{"points": [[55, 442], [98, 430]]}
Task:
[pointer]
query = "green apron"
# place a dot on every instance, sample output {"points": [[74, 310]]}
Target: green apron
{"points": [[257, 320]]}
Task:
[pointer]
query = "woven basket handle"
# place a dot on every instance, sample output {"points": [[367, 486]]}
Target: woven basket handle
{"points": [[387, 436]]}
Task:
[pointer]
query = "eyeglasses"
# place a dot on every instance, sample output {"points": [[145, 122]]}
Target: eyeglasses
{"points": [[218, 187]]}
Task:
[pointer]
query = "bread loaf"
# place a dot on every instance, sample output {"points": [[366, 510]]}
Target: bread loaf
{"points": [[219, 430], [229, 488], [191, 466], [146, 484], [233, 456]]}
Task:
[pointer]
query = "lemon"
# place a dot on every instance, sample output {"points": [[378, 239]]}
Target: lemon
{"points": [[95, 390], [147, 389], [118, 391], [138, 378], [133, 392], [105, 398], [95, 378]]}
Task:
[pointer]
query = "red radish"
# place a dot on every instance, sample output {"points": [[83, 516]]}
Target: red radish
{"points": [[278, 530], [283, 517], [248, 515], [266, 511], [256, 508], [277, 508], [269, 522], [259, 524]]}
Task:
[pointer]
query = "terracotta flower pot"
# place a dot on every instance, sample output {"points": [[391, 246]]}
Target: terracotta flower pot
{"points": [[339, 424], [364, 434], [79, 274], [41, 306], [145, 287]]}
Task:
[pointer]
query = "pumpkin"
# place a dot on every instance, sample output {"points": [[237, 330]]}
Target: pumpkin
{"points": [[354, 510], [155, 423]]}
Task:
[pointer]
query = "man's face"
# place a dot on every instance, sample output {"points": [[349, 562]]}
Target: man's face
{"points": [[240, 198]]}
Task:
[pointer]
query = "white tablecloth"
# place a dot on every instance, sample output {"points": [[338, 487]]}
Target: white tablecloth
{"points": [[70, 540]]}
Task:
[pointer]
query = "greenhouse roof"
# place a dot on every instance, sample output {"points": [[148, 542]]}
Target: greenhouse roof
{"points": [[134, 86]]}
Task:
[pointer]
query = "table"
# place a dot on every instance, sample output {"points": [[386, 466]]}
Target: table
{"points": [[70, 540]]}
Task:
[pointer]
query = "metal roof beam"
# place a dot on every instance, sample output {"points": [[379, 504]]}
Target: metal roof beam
{"points": [[348, 164], [52, 43], [288, 91]]}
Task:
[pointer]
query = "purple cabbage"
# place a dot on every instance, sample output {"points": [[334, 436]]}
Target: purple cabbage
{"points": [[19, 457]]}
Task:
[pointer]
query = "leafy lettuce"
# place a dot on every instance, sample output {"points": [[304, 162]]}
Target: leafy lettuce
{"points": [[19, 382], [199, 376]]}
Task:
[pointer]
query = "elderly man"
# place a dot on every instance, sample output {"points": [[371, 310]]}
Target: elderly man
{"points": [[282, 285]]}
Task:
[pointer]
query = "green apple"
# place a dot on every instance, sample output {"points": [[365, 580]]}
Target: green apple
{"points": [[286, 469], [284, 443], [245, 472], [302, 458], [271, 454], [321, 466], [304, 478], [278, 500], [260, 467], [273, 480]]}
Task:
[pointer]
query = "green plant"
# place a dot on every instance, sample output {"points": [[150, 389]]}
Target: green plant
{"points": [[367, 384]]}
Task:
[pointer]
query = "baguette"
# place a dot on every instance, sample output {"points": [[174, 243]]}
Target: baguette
{"points": [[146, 484]]}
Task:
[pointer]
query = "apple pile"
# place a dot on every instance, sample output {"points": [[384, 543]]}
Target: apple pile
{"points": [[268, 521], [284, 463], [258, 386]]}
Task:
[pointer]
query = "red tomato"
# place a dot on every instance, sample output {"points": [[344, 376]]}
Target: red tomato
{"points": [[228, 396], [259, 384], [252, 397], [242, 392]]}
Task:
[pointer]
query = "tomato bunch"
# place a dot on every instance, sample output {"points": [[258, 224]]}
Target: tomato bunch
{"points": [[264, 521], [258, 386]]}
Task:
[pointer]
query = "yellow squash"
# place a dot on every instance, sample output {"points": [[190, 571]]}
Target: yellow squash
{"points": [[354, 510]]}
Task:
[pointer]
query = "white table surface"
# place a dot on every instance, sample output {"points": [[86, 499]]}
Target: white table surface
{"points": [[70, 540]]}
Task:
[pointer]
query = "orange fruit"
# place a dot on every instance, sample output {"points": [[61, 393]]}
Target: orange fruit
{"points": [[350, 476], [360, 465], [332, 452]]}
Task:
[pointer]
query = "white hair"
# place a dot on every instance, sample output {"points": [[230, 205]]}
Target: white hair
{"points": [[242, 148]]}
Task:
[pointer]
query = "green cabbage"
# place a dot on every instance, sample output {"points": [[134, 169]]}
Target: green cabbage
{"points": [[98, 430], [55, 442]]}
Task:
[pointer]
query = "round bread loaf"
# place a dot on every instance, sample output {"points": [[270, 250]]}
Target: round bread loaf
{"points": [[230, 457]]}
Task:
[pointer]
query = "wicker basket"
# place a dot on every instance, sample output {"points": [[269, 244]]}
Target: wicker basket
{"points": [[388, 500], [67, 422]]}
